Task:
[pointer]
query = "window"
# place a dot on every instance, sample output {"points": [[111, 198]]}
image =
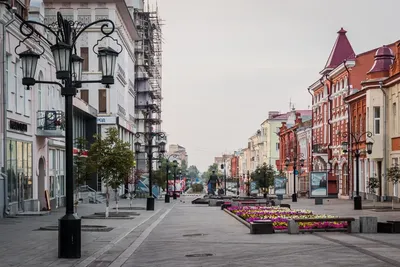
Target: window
{"points": [[103, 101], [85, 56], [19, 170], [377, 120], [21, 10], [277, 146], [85, 95]]}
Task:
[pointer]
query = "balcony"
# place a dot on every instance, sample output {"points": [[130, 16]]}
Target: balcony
{"points": [[319, 149], [50, 123]]}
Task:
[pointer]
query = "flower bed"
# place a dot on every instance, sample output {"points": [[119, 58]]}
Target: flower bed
{"points": [[280, 217]]}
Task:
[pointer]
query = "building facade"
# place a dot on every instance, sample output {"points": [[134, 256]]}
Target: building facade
{"points": [[292, 151]]}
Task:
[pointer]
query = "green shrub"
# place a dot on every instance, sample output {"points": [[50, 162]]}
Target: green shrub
{"points": [[197, 188]]}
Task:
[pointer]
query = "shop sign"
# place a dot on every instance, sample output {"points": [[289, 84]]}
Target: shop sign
{"points": [[106, 120], [18, 126]]}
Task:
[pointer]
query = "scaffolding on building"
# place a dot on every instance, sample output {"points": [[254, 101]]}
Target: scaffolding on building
{"points": [[148, 67]]}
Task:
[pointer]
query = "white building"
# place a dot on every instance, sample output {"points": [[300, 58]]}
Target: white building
{"points": [[115, 105]]}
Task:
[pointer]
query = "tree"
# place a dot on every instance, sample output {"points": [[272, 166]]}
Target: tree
{"points": [[82, 167], [264, 177], [159, 178], [184, 166], [206, 175], [373, 183], [393, 175], [193, 172], [113, 160]]}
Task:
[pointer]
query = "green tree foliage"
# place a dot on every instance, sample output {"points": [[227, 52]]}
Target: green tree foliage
{"points": [[264, 177], [193, 172], [159, 178], [197, 188], [113, 160], [393, 174], [82, 167], [184, 166], [206, 175]]}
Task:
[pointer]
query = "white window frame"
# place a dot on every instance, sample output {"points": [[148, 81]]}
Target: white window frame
{"points": [[377, 130]]}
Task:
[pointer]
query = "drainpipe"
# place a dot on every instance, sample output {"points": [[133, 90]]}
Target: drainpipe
{"points": [[383, 187], [349, 141], [312, 124], [330, 131], [6, 209]]}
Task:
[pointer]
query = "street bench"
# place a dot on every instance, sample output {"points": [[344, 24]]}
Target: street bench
{"points": [[261, 227], [293, 224]]}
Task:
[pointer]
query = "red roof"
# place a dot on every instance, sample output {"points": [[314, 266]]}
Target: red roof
{"points": [[342, 50]]}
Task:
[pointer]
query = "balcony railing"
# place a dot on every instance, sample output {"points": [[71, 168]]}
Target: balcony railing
{"points": [[50, 123]]}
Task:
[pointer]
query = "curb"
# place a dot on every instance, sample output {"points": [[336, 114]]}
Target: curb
{"points": [[247, 224]]}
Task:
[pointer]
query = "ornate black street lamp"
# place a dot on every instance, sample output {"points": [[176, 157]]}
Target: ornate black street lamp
{"points": [[356, 142], [148, 136], [175, 167], [301, 163], [223, 166], [248, 183], [69, 71], [167, 196]]}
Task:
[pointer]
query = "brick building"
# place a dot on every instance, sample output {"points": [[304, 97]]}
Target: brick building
{"points": [[290, 149], [341, 76]]}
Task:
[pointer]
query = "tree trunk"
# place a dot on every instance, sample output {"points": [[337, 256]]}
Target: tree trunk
{"points": [[107, 202], [116, 199], [76, 200], [131, 200]]}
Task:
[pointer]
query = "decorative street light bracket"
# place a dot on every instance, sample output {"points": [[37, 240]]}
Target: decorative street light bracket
{"points": [[67, 63]]}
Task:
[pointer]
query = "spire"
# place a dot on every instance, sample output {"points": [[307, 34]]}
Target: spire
{"points": [[341, 51]]}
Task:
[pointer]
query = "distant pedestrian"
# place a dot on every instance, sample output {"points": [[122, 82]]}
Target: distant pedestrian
{"points": [[212, 183]]}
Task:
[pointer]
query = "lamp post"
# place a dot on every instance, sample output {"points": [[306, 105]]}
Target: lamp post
{"points": [[248, 183], [287, 163], [167, 196], [149, 151], [223, 167], [175, 167], [356, 142], [69, 70]]}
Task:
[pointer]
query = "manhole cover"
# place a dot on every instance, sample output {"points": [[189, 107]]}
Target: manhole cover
{"points": [[195, 235], [199, 255]]}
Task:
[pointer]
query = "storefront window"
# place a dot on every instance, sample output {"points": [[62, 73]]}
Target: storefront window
{"points": [[12, 170], [19, 170], [51, 185]]}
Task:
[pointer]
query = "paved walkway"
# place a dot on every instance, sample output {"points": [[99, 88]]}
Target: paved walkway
{"points": [[182, 234]]}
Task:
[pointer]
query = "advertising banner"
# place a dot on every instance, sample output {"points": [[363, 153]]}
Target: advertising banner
{"points": [[318, 184], [178, 186], [280, 185]]}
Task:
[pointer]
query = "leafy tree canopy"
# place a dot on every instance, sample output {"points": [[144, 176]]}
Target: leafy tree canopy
{"points": [[193, 172], [264, 176], [112, 158], [82, 167]]}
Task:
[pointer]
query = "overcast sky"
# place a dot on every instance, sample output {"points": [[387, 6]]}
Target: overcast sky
{"points": [[226, 63]]}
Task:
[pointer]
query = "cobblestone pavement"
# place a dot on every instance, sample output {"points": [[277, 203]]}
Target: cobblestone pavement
{"points": [[182, 234]]}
